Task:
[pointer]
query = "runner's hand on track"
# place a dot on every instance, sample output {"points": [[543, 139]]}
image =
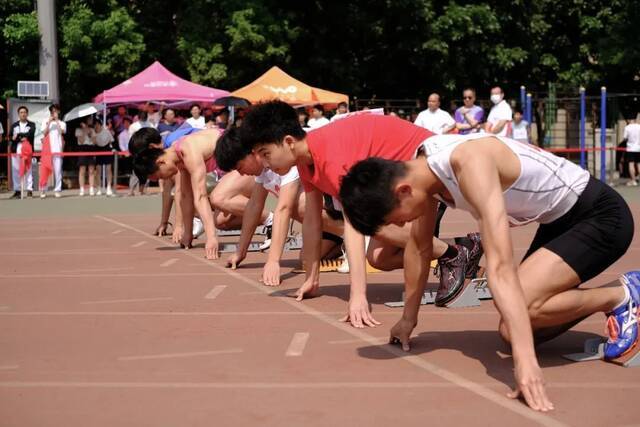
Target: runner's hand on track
{"points": [[234, 261], [401, 333], [530, 384], [211, 248], [271, 273], [360, 313], [310, 288], [178, 231]]}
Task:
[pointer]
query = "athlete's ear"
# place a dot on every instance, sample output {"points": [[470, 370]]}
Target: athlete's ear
{"points": [[402, 191], [289, 141]]}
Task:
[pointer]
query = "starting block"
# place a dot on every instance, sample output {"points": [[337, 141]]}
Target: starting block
{"points": [[594, 350], [261, 231], [473, 292], [293, 243]]}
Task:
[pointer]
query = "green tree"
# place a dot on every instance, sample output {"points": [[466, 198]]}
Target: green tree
{"points": [[98, 49], [19, 39]]}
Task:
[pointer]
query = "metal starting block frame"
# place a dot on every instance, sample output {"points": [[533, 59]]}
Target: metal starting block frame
{"points": [[293, 243], [260, 231], [594, 350], [474, 291]]}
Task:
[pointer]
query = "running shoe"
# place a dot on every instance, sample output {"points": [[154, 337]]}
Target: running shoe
{"points": [[81, 194], [266, 244], [109, 192], [452, 275], [57, 194], [474, 255], [43, 195], [198, 227], [622, 323], [92, 191]]}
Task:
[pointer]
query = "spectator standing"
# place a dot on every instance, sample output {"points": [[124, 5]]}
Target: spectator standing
{"points": [[117, 119], [55, 128], [196, 120], [302, 118], [84, 135], [343, 108], [317, 117], [141, 123], [632, 135], [469, 117], [433, 118], [23, 128], [519, 127], [168, 124], [102, 139], [499, 119]]}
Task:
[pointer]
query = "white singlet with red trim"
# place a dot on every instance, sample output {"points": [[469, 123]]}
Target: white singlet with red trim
{"points": [[547, 188]]}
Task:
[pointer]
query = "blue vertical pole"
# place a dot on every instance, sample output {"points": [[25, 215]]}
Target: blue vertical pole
{"points": [[603, 133], [529, 115], [522, 101], [583, 131]]}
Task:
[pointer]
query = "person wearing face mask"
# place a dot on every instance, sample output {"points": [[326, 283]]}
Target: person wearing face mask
{"points": [[499, 119]]}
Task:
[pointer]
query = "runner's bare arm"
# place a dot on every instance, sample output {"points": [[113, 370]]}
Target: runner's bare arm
{"points": [[312, 239], [250, 221], [287, 200], [479, 180], [417, 257], [195, 165]]}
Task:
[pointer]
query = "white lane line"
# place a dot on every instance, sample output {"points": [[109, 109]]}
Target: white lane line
{"points": [[213, 293], [297, 344], [380, 340], [8, 367], [96, 270], [297, 385], [51, 276], [137, 245], [117, 231], [496, 397], [180, 355], [169, 262], [116, 301]]}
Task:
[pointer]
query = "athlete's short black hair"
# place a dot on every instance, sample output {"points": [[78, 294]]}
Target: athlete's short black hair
{"points": [[142, 140], [144, 163], [367, 195], [269, 122], [229, 150]]}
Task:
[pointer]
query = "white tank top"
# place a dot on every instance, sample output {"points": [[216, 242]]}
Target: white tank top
{"points": [[547, 188]]}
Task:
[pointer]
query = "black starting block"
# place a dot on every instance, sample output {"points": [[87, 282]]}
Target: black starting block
{"points": [[474, 291]]}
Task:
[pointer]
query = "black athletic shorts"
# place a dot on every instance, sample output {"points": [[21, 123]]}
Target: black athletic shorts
{"points": [[632, 156], [592, 235]]}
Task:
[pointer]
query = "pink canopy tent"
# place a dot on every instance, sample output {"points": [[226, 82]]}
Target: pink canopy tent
{"points": [[156, 83]]}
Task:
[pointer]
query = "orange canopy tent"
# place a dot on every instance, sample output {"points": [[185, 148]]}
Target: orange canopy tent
{"points": [[276, 84]]}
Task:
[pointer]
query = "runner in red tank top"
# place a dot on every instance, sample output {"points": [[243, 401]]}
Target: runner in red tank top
{"points": [[323, 157]]}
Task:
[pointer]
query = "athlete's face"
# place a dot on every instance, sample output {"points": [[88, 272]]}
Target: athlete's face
{"points": [[250, 165], [278, 157], [166, 169], [409, 205]]}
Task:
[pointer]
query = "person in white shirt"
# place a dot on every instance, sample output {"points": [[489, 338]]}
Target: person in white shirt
{"points": [[519, 127], [632, 135], [102, 138], [499, 120], [231, 155], [317, 117], [433, 118], [196, 120], [55, 128], [83, 134], [142, 122], [343, 109]]}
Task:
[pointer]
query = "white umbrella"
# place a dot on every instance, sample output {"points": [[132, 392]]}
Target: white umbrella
{"points": [[83, 111]]}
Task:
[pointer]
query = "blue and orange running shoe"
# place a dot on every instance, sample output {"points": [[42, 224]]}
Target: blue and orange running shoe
{"points": [[622, 323]]}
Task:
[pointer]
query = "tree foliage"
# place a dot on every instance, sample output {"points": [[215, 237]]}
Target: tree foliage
{"points": [[387, 48]]}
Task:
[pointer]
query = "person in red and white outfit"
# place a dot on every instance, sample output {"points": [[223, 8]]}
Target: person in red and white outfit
{"points": [[55, 128]]}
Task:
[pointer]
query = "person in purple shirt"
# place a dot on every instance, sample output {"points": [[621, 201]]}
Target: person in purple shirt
{"points": [[469, 117]]}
